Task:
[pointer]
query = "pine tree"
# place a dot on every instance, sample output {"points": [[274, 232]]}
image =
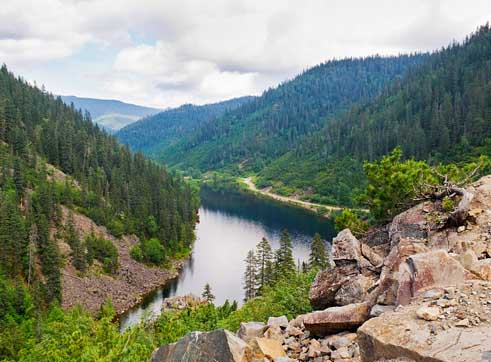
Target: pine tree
{"points": [[250, 276], [285, 264], [318, 255], [72, 238], [264, 266], [207, 294]]}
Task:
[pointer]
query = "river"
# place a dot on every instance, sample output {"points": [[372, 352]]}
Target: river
{"points": [[230, 225]]}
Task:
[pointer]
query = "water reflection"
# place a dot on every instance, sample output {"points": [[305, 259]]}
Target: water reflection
{"points": [[230, 225]]}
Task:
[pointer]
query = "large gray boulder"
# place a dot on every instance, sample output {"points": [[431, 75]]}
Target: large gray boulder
{"points": [[216, 346], [337, 319], [328, 282]]}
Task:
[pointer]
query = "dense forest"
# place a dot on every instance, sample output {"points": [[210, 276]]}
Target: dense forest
{"points": [[440, 112], [41, 138], [268, 126], [154, 133]]}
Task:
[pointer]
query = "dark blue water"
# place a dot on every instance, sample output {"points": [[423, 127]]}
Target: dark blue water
{"points": [[230, 225]]}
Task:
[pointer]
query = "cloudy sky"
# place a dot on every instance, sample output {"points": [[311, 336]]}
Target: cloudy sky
{"points": [[168, 52]]}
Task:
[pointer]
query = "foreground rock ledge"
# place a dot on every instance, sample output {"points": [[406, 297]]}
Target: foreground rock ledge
{"points": [[216, 346], [461, 333]]}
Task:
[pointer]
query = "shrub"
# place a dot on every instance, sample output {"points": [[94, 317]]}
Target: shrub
{"points": [[102, 250], [351, 220], [136, 253], [154, 251]]}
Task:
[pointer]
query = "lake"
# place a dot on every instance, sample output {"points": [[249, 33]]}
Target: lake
{"points": [[230, 225]]}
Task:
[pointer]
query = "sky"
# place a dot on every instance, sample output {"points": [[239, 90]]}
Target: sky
{"points": [[164, 53]]}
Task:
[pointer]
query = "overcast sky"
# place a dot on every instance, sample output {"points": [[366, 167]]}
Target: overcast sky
{"points": [[168, 52]]}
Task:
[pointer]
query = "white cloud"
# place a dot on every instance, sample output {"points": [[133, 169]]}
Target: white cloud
{"points": [[169, 52]]}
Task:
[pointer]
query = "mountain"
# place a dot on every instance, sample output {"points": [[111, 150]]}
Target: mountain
{"points": [[73, 201], [259, 131], [440, 111], [110, 114], [154, 133]]}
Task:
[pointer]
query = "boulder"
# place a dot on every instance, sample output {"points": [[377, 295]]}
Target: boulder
{"points": [[217, 346], [388, 283], [278, 321], [371, 255], [346, 249], [402, 335], [422, 271], [354, 290], [379, 309], [261, 348], [411, 224], [482, 268], [327, 283], [345, 246], [274, 332], [250, 330], [336, 319]]}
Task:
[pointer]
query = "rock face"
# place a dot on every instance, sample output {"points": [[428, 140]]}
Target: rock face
{"points": [[462, 332], [421, 271], [327, 283], [216, 346], [336, 319]]}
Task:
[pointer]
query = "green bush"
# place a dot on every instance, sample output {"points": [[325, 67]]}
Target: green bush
{"points": [[153, 251], [102, 250], [448, 204], [136, 253], [348, 219]]}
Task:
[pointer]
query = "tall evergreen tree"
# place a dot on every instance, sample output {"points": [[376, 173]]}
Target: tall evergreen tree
{"points": [[250, 276], [207, 294], [264, 266], [285, 264], [318, 255]]}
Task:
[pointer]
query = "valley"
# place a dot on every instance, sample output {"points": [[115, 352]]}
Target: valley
{"points": [[298, 203]]}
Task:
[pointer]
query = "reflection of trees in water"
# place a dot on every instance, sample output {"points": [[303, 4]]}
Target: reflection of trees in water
{"points": [[270, 214], [187, 271]]}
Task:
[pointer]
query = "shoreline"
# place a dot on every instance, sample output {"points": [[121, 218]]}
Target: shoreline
{"points": [[310, 206]]}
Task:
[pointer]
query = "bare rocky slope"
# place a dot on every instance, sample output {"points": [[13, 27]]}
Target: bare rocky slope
{"points": [[413, 290], [125, 288]]}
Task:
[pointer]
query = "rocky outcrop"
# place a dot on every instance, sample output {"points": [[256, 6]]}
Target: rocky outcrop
{"points": [[216, 346], [445, 326]]}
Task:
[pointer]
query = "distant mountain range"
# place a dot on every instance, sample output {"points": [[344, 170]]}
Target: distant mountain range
{"points": [[310, 135], [155, 133], [110, 114]]}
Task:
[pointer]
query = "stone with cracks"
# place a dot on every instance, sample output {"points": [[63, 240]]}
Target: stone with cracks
{"points": [[354, 290], [261, 348], [250, 330], [346, 248], [337, 319], [217, 346], [327, 283], [422, 271]]}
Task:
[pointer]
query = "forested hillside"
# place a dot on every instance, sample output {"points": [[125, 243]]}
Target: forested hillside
{"points": [[270, 125], [40, 138], [108, 113], [155, 133], [440, 111]]}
